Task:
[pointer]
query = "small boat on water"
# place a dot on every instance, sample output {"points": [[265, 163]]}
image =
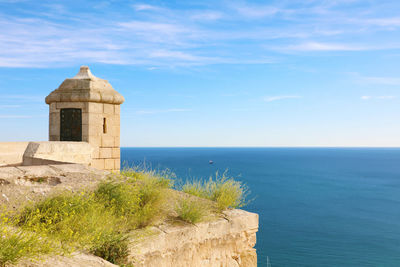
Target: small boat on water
{"points": [[211, 162]]}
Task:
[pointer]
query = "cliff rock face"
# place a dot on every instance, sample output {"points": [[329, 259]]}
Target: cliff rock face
{"points": [[227, 242]]}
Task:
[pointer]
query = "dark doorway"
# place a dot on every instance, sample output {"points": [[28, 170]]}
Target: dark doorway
{"points": [[71, 124]]}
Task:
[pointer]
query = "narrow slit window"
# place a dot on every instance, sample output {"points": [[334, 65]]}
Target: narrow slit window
{"points": [[104, 125]]}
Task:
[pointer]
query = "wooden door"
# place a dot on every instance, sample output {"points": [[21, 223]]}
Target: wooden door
{"points": [[71, 124]]}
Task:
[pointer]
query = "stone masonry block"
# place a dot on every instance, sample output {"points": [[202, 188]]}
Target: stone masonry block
{"points": [[96, 153], [94, 140], [116, 141], [80, 105], [85, 118], [54, 138], [54, 129], [107, 141], [117, 109], [108, 109], [97, 163], [117, 164], [116, 153], [53, 107], [54, 118], [109, 164], [95, 118], [105, 152], [115, 131], [95, 107], [95, 129]]}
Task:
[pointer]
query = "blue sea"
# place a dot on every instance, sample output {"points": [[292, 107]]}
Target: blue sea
{"points": [[317, 206]]}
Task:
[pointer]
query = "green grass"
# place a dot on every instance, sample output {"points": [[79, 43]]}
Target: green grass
{"points": [[16, 244], [224, 190], [100, 221], [191, 210]]}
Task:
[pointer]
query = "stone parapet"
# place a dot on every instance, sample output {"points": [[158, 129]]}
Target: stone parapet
{"points": [[12, 153], [45, 153]]}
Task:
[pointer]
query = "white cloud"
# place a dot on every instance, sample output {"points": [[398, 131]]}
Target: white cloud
{"points": [[385, 97], [168, 37], [10, 106], [280, 97], [207, 16], [392, 22], [315, 46], [256, 11], [142, 7], [381, 80]]}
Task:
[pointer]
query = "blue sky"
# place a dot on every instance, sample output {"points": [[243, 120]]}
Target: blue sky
{"points": [[211, 73]]}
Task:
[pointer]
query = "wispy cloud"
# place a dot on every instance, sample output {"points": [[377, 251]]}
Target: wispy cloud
{"points": [[256, 11], [381, 80], [10, 106], [391, 22], [141, 7], [315, 46], [280, 97], [207, 16], [161, 35], [384, 97], [158, 111]]}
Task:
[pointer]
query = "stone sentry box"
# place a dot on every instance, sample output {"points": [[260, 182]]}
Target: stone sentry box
{"points": [[87, 108]]}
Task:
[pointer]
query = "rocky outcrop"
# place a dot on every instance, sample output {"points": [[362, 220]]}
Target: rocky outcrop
{"points": [[21, 184], [226, 241]]}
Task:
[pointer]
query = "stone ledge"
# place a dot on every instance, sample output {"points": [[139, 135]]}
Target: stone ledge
{"points": [[227, 241]]}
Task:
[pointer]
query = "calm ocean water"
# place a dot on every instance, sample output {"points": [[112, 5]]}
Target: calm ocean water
{"points": [[317, 206]]}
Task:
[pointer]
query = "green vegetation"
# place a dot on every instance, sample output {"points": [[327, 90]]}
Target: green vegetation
{"points": [[224, 190], [191, 210], [101, 220], [16, 244]]}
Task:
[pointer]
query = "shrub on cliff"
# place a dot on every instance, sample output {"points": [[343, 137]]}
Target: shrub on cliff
{"points": [[140, 202], [191, 210], [77, 221], [99, 221], [224, 190]]}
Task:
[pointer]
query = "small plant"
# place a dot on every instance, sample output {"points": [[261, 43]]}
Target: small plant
{"points": [[112, 247], [191, 211], [16, 244], [140, 202], [224, 190], [163, 178], [77, 221]]}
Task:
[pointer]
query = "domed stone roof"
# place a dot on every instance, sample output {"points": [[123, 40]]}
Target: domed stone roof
{"points": [[85, 87]]}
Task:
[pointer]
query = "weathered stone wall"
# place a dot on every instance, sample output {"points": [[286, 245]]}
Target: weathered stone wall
{"points": [[227, 242], [103, 133], [43, 153], [12, 153], [100, 128]]}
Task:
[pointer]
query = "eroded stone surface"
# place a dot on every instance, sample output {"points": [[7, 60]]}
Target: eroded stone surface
{"points": [[27, 183], [227, 242]]}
